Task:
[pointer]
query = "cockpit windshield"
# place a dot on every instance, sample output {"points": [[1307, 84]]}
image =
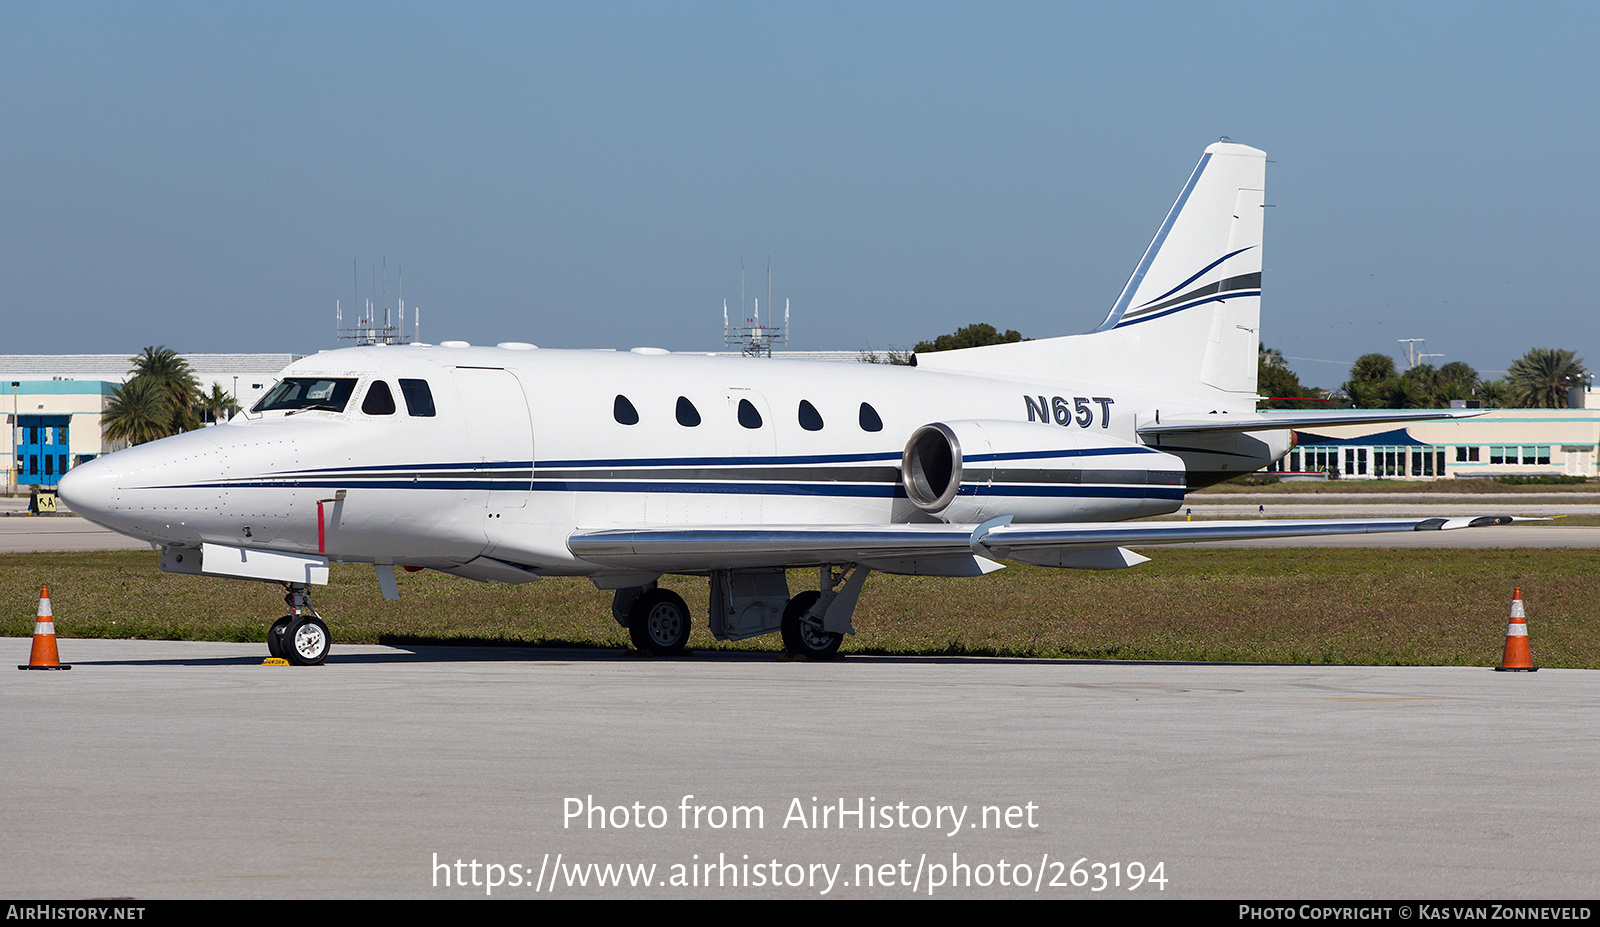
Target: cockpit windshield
{"points": [[296, 394]]}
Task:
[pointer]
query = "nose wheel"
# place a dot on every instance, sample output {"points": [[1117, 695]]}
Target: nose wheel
{"points": [[275, 636], [301, 637]]}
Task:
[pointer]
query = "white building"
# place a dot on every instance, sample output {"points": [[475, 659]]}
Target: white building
{"points": [[53, 403], [1501, 442]]}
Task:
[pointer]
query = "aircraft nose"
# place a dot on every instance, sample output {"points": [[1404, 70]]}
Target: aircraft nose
{"points": [[90, 489]]}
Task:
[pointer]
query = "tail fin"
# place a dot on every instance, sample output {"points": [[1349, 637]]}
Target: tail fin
{"points": [[1189, 315], [1209, 245]]}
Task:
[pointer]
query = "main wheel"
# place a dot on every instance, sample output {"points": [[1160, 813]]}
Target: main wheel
{"points": [[306, 641], [803, 637], [658, 623], [275, 636]]}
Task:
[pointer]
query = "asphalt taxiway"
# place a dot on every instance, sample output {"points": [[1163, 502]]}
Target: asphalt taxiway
{"points": [[177, 770]]}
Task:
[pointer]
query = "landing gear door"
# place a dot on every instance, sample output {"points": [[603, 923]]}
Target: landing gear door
{"points": [[499, 435]]}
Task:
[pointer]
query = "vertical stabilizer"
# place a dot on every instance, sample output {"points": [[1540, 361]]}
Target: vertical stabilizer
{"points": [[1187, 321], [1202, 274]]}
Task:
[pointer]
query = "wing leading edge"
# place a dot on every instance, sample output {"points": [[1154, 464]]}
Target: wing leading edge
{"points": [[950, 549]]}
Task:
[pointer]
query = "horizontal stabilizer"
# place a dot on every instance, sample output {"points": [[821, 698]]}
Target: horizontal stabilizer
{"points": [[1294, 419]]}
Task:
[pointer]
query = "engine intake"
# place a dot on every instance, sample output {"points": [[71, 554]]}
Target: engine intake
{"points": [[964, 472]]}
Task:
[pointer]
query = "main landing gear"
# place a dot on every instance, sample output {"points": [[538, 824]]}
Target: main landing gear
{"points": [[300, 637], [745, 604], [803, 634], [659, 622]]}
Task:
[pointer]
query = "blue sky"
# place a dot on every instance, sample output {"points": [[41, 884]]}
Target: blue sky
{"points": [[589, 175]]}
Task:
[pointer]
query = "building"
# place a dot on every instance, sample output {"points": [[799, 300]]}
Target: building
{"points": [[56, 401], [1501, 442]]}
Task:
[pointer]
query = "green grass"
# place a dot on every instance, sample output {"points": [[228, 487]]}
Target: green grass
{"points": [[1486, 487], [1293, 605]]}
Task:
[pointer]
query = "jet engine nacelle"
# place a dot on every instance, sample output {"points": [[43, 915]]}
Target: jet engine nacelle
{"points": [[965, 472]]}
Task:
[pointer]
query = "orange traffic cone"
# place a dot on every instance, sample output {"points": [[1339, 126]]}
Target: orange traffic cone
{"points": [[44, 638], [1518, 657]]}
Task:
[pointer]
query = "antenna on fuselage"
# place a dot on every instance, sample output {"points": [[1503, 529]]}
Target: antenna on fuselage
{"points": [[755, 337], [369, 327]]}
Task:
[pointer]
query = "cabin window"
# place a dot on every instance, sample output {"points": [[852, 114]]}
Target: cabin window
{"points": [[623, 411], [379, 400], [297, 394], [810, 420], [869, 419], [418, 397], [688, 415], [748, 416]]}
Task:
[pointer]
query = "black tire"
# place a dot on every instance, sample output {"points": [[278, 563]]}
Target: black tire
{"points": [[659, 623], [805, 639], [306, 641], [275, 636]]}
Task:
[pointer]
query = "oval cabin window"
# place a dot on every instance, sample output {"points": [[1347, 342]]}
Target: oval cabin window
{"points": [[748, 416], [810, 419], [869, 419], [688, 415], [624, 412]]}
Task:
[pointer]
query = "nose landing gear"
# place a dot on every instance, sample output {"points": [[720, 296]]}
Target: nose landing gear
{"points": [[300, 637]]}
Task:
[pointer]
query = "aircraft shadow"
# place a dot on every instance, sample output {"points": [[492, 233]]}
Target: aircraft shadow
{"points": [[399, 654]]}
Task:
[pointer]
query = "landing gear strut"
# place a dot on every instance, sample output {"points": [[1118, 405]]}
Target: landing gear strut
{"points": [[815, 623], [300, 637], [803, 635]]}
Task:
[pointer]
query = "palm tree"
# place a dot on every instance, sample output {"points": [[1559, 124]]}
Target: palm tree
{"points": [[218, 405], [138, 412], [1457, 380], [1540, 378], [1371, 381], [184, 399]]}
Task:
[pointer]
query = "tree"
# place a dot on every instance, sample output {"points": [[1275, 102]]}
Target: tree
{"points": [[1540, 378], [893, 356], [1375, 384], [218, 405], [969, 336], [138, 412], [1458, 380], [1371, 381], [1276, 382], [1494, 394], [172, 373]]}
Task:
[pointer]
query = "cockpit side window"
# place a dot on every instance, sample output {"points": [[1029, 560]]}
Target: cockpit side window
{"points": [[419, 399], [379, 400], [299, 394]]}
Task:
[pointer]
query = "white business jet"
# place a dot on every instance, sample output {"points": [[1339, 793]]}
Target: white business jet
{"points": [[510, 463]]}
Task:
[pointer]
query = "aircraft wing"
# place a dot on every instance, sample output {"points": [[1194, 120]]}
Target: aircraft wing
{"points": [[1296, 418], [951, 550]]}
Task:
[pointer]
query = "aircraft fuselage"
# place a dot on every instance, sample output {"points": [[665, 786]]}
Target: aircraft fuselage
{"points": [[524, 446]]}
